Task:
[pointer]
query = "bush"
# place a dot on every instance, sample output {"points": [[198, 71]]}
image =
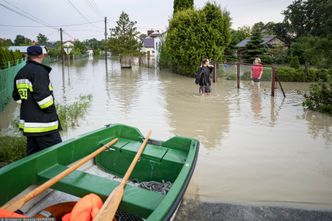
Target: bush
{"points": [[11, 149], [324, 74], [286, 73], [194, 35], [320, 98], [294, 62], [9, 56], [69, 114]]}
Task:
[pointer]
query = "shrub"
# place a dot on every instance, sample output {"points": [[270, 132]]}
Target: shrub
{"points": [[294, 62], [194, 35], [69, 114], [320, 98], [323, 74], [11, 149]]}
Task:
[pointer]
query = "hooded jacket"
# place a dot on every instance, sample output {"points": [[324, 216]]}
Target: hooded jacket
{"points": [[33, 89]]}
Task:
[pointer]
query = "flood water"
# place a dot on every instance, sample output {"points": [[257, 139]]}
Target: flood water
{"points": [[255, 148]]}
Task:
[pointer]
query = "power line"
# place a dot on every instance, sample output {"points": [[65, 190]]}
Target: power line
{"points": [[39, 26], [96, 6], [69, 35], [79, 12], [21, 14], [93, 8], [27, 13]]}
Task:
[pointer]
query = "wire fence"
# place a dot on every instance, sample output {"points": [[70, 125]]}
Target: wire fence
{"points": [[242, 71], [7, 82], [229, 71]]}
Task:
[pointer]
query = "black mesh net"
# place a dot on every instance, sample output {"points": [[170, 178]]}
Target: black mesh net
{"points": [[123, 216]]}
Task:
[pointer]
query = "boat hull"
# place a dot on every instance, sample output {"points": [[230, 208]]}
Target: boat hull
{"points": [[172, 160]]}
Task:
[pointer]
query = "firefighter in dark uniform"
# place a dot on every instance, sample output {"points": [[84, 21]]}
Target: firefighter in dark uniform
{"points": [[33, 89]]}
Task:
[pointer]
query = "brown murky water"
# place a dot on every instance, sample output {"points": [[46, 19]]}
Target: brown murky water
{"points": [[254, 148]]}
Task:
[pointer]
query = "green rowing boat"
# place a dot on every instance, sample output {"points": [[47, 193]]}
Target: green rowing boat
{"points": [[170, 162]]}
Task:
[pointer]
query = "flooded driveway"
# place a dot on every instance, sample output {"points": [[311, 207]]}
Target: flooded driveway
{"points": [[255, 148]]}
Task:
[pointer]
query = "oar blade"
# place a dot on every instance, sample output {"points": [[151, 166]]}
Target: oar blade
{"points": [[15, 205], [108, 210]]}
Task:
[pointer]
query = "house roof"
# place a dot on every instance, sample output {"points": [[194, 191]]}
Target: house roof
{"points": [[155, 34], [266, 39]]}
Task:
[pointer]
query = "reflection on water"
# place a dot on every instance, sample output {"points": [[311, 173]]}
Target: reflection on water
{"points": [[256, 101], [254, 147], [318, 125]]}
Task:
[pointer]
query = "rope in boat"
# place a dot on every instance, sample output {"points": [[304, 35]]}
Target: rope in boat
{"points": [[162, 187]]}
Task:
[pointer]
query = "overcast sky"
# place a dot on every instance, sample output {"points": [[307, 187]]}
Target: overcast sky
{"points": [[148, 14]]}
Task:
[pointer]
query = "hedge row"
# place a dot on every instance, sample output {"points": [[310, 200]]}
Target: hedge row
{"points": [[290, 74], [299, 74], [9, 56]]}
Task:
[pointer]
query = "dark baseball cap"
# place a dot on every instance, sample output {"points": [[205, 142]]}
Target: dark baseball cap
{"points": [[35, 50]]}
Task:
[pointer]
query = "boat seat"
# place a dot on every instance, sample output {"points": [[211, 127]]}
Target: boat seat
{"points": [[80, 183], [151, 151]]}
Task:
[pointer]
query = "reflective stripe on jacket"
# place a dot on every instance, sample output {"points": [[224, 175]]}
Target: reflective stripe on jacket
{"points": [[33, 88]]}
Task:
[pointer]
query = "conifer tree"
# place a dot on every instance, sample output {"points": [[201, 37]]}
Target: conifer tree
{"points": [[123, 39], [254, 48], [180, 5]]}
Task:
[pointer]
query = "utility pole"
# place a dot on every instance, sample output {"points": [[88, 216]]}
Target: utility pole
{"points": [[61, 39], [105, 40]]}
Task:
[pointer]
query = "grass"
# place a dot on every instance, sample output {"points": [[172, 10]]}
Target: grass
{"points": [[69, 114], [13, 148]]}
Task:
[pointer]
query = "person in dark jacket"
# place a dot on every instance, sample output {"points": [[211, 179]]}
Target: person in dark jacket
{"points": [[205, 77], [33, 90]]}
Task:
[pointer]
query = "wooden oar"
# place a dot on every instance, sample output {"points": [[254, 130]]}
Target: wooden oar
{"points": [[110, 206], [17, 204]]}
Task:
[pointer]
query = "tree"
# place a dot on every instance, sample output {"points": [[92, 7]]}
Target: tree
{"points": [[237, 36], [21, 40], [93, 44], [254, 48], [42, 39], [123, 39], [313, 50], [197, 34], [258, 27], [56, 50], [79, 48], [311, 17], [281, 31], [5, 42], [180, 5], [294, 62]]}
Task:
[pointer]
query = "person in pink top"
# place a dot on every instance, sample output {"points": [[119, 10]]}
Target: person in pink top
{"points": [[256, 70]]}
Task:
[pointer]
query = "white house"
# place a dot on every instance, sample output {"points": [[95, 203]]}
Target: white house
{"points": [[151, 45]]}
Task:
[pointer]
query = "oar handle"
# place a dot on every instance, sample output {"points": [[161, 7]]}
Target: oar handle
{"points": [[17, 204], [111, 204]]}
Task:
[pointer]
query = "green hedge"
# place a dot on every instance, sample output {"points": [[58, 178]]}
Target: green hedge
{"points": [[6, 56], [286, 73]]}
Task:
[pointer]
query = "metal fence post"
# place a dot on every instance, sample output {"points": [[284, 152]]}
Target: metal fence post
{"points": [[238, 74], [273, 81], [214, 74]]}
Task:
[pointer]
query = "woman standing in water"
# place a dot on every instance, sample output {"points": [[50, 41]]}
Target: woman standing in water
{"points": [[256, 70], [204, 75]]}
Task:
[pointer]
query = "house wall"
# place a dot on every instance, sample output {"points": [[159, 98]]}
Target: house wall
{"points": [[276, 42]]}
